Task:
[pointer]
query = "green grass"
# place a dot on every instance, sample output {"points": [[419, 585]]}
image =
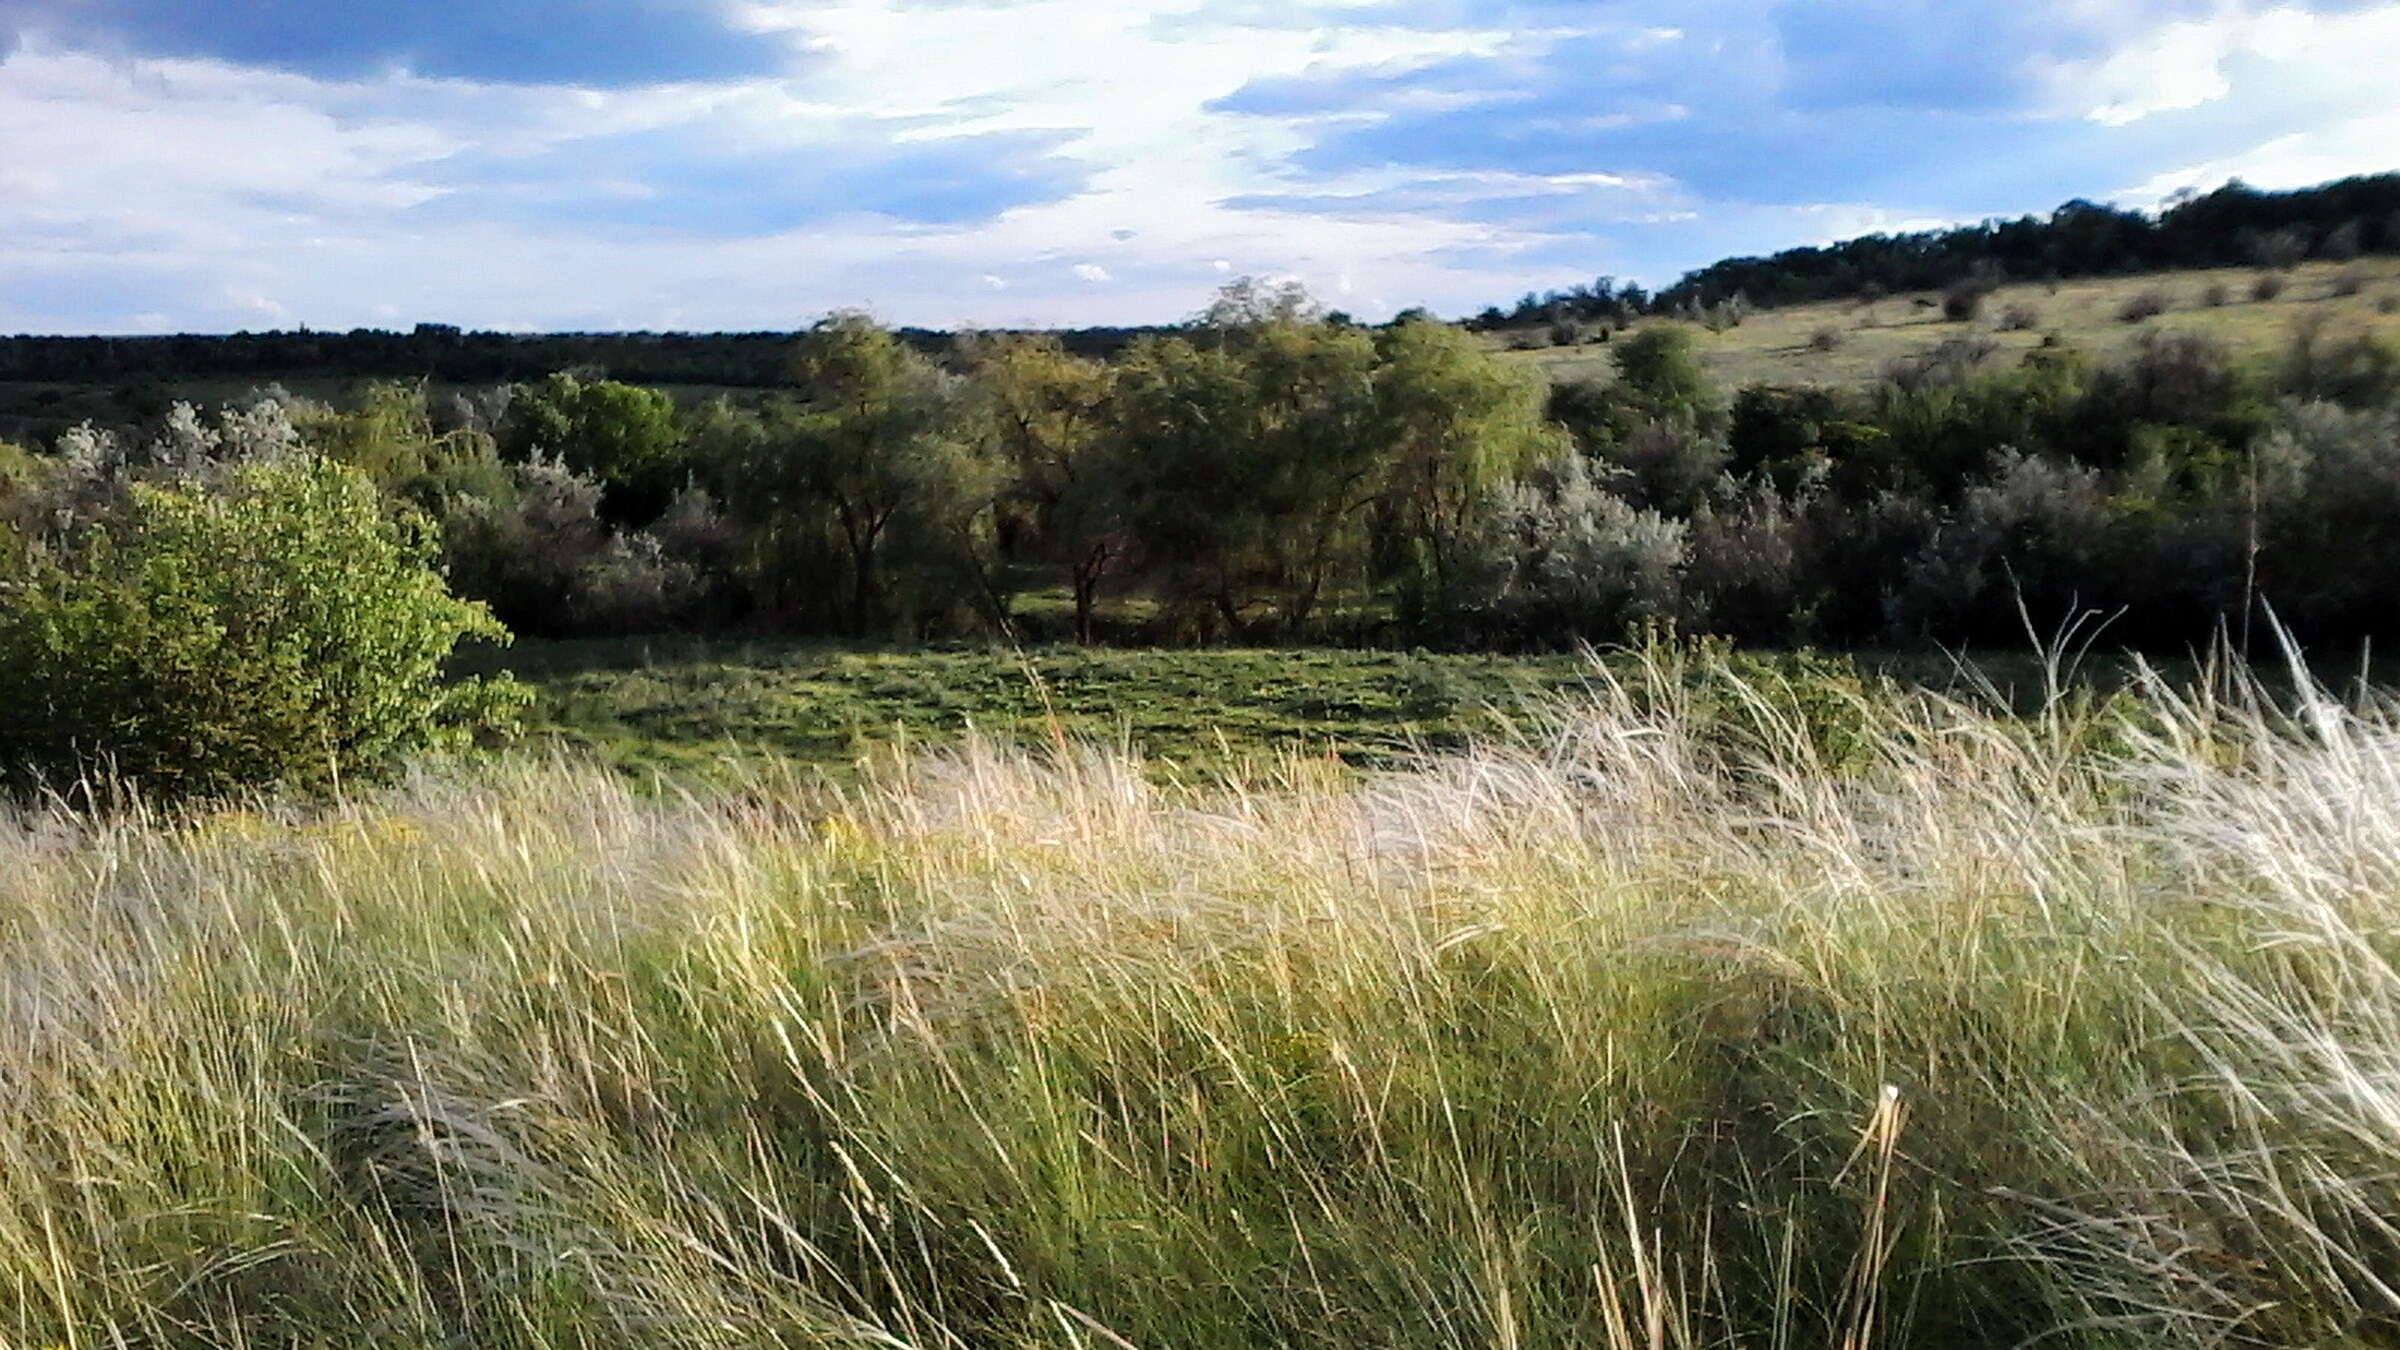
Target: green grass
{"points": [[1678, 1025], [696, 705], [1775, 346], [702, 707]]}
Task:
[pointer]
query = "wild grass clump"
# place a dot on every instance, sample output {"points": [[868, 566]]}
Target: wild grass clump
{"points": [[1742, 1006]]}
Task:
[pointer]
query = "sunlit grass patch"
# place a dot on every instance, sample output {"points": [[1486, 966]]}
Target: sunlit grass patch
{"points": [[1718, 1009]]}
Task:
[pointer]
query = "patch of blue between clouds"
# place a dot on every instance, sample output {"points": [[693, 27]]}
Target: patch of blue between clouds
{"points": [[687, 180], [1877, 101], [599, 43]]}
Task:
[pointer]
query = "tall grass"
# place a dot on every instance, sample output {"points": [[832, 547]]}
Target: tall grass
{"points": [[1730, 1011]]}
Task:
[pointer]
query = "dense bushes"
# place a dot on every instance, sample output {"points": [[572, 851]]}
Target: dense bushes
{"points": [[228, 624], [1558, 558], [1269, 473]]}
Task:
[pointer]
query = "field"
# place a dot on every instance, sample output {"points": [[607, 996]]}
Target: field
{"points": [[1782, 346], [685, 707], [688, 704], [1729, 1010]]}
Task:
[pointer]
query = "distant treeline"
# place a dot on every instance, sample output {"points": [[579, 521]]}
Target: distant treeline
{"points": [[444, 352], [2235, 225], [1272, 473]]}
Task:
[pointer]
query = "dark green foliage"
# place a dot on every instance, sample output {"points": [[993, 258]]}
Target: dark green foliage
{"points": [[1265, 471], [867, 491], [1658, 380], [270, 624], [1787, 432], [622, 436]]}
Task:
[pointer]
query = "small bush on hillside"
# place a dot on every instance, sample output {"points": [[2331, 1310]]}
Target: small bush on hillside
{"points": [[2352, 368], [2266, 286], [1726, 313], [270, 623], [2216, 295], [1826, 339], [1946, 362], [2346, 283], [2387, 304], [2020, 318], [2143, 305], [1963, 300]]}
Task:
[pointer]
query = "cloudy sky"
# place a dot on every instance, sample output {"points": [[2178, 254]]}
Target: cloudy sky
{"points": [[212, 165]]}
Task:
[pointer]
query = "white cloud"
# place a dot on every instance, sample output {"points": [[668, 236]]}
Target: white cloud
{"points": [[187, 178], [2329, 74], [2186, 64], [149, 194]]}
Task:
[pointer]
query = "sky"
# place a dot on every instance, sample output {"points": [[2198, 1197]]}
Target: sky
{"points": [[217, 165]]}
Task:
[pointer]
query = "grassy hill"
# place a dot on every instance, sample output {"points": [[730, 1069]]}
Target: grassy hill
{"points": [[1852, 342]]}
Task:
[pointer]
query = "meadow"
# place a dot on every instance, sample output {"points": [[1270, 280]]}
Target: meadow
{"points": [[700, 705], [1854, 342], [678, 707], [1726, 1008]]}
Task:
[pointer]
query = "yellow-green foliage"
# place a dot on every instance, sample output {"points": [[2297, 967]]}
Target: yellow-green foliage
{"points": [[269, 622], [1666, 1030]]}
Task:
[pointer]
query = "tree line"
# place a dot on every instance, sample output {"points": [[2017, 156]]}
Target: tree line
{"points": [[1268, 473], [2235, 225], [442, 352]]}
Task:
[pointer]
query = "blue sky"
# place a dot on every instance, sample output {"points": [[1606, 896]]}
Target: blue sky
{"points": [[211, 165]]}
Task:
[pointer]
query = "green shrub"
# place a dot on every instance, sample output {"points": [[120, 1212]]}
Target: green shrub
{"points": [[264, 623]]}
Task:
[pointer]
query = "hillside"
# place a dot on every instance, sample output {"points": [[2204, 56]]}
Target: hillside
{"points": [[1852, 342]]}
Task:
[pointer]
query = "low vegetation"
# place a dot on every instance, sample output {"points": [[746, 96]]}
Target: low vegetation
{"points": [[219, 610], [694, 706], [1730, 1010]]}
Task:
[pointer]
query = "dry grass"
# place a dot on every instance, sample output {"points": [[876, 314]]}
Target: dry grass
{"points": [[1777, 346], [1728, 1013]]}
